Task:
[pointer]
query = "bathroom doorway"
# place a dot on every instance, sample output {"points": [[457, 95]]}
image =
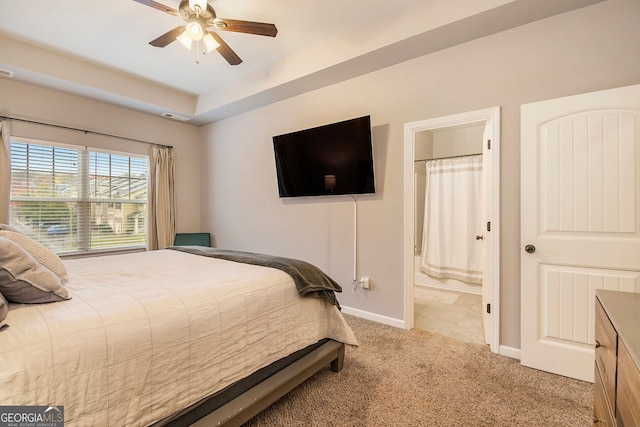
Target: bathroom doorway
{"points": [[466, 137]]}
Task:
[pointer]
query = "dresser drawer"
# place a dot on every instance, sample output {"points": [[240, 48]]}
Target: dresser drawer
{"points": [[606, 342], [602, 407], [628, 402]]}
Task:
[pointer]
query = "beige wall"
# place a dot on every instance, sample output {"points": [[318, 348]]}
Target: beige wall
{"points": [[227, 184], [35, 103], [586, 50], [458, 141]]}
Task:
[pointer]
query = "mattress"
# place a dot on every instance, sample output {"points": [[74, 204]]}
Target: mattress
{"points": [[145, 335]]}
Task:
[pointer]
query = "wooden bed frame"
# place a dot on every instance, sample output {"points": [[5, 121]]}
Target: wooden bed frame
{"points": [[253, 401]]}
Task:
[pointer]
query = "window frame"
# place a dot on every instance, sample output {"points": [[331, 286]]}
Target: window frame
{"points": [[84, 200]]}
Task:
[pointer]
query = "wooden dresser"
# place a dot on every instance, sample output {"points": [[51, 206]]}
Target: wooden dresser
{"points": [[617, 375]]}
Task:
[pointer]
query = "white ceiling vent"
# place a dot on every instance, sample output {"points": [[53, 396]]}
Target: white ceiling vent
{"points": [[175, 117], [6, 73]]}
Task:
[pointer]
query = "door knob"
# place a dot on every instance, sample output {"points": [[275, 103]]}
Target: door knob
{"points": [[530, 249]]}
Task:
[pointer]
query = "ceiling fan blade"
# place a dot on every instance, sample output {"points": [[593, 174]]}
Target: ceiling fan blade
{"points": [[167, 37], [158, 6], [226, 52], [249, 27]]}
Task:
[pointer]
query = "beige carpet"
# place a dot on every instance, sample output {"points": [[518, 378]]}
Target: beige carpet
{"points": [[417, 378]]}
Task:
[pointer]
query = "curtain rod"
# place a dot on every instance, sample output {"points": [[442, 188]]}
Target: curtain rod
{"points": [[84, 131], [449, 157]]}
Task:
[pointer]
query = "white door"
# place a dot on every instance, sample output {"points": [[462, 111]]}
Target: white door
{"points": [[580, 221]]}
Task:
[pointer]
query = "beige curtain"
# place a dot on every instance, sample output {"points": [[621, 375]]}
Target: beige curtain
{"points": [[162, 203], [5, 171]]}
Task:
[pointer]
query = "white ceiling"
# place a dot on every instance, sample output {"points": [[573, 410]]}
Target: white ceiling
{"points": [[99, 49]]}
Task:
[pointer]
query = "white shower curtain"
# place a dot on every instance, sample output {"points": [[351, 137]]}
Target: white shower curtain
{"points": [[453, 219]]}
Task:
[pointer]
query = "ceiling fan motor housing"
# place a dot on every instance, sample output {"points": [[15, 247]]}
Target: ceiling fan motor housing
{"points": [[206, 17]]}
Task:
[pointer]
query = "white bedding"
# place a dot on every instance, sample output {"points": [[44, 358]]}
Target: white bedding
{"points": [[148, 334]]}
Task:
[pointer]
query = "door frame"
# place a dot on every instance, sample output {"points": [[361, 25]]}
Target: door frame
{"points": [[491, 287]]}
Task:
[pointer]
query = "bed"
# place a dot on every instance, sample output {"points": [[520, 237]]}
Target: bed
{"points": [[163, 337]]}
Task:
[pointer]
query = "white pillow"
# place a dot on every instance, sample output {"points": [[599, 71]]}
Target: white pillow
{"points": [[41, 253], [24, 280], [8, 227]]}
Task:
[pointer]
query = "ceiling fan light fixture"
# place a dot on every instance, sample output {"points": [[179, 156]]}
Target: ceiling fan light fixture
{"points": [[198, 5], [195, 30], [199, 17], [210, 43], [185, 40]]}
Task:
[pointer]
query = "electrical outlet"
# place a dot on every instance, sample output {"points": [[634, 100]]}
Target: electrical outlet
{"points": [[364, 282]]}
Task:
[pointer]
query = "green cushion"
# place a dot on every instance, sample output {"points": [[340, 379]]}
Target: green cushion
{"points": [[193, 239]]}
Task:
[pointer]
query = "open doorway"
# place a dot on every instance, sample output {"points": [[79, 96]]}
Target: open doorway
{"points": [[446, 137]]}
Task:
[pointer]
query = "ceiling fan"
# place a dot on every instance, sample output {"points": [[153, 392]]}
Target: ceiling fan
{"points": [[199, 16]]}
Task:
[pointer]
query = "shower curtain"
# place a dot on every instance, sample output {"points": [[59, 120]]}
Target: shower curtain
{"points": [[452, 219]]}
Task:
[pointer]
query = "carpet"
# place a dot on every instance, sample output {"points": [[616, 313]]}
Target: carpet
{"points": [[416, 378]]}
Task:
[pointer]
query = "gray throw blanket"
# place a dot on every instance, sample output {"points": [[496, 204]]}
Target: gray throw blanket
{"points": [[309, 279]]}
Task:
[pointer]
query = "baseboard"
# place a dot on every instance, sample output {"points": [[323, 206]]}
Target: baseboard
{"points": [[398, 323], [507, 351], [510, 352]]}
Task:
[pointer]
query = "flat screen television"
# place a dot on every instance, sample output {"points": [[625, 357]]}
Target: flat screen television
{"points": [[334, 159]]}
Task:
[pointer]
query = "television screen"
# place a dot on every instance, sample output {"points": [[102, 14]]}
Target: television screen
{"points": [[334, 159]]}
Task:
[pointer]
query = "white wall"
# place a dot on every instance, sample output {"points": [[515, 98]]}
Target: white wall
{"points": [[586, 50], [35, 103]]}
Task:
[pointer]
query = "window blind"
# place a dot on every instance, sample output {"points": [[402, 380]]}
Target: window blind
{"points": [[77, 200]]}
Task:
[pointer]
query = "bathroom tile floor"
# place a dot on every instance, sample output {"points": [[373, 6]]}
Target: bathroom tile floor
{"points": [[454, 314]]}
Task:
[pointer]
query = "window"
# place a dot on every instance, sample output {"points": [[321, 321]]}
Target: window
{"points": [[78, 200]]}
